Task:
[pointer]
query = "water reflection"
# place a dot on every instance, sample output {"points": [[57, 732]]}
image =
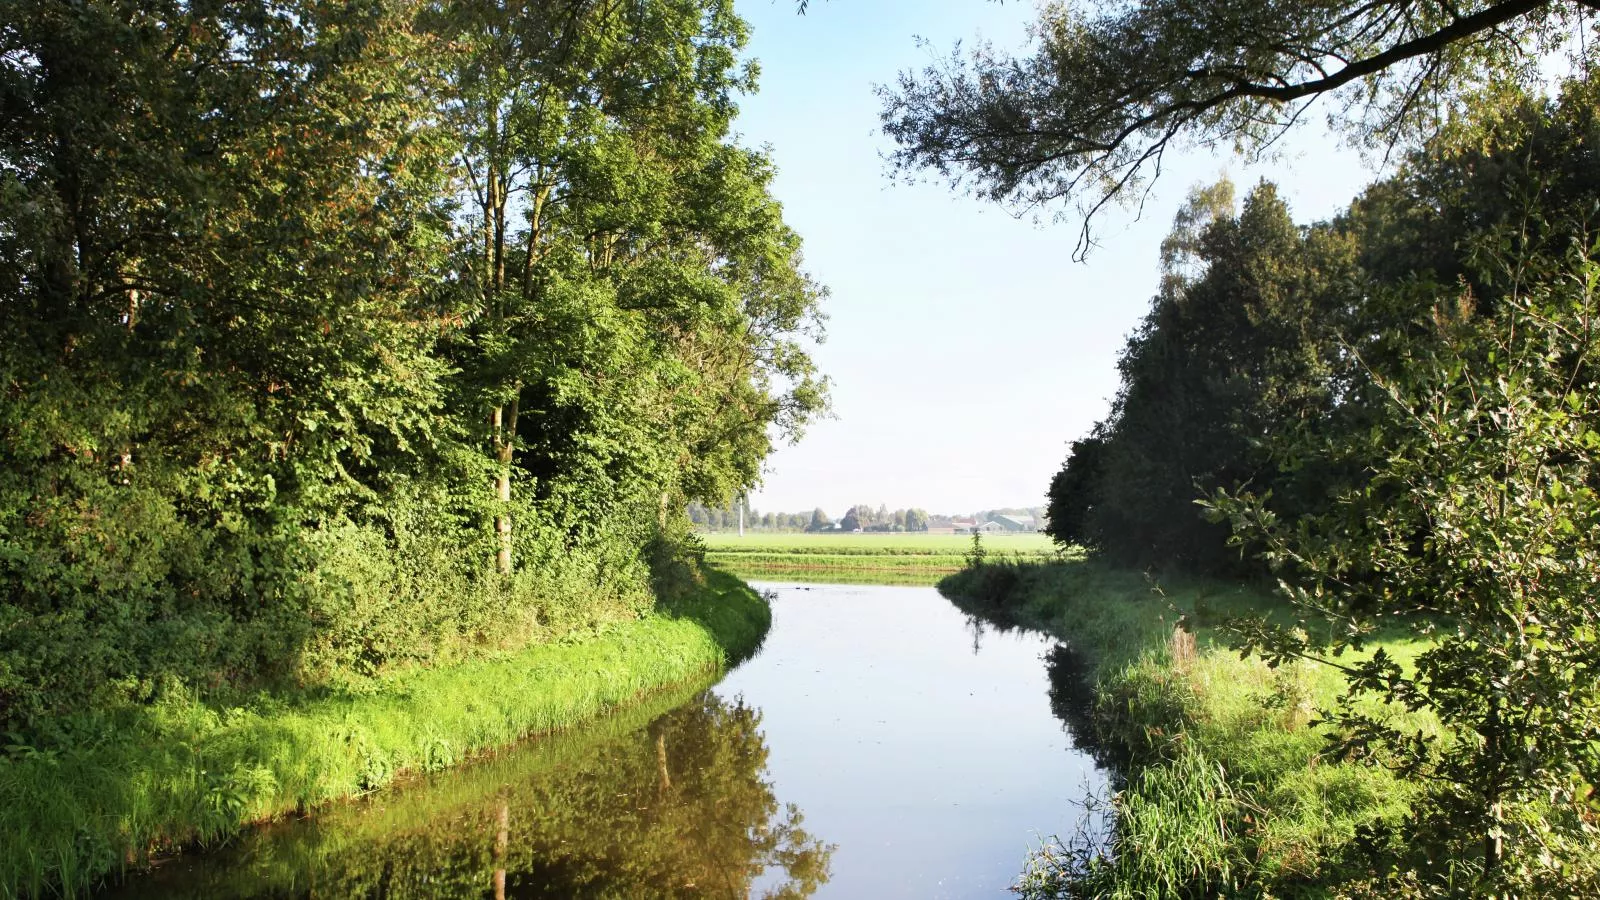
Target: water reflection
{"points": [[1072, 701], [677, 806], [1072, 695], [934, 768]]}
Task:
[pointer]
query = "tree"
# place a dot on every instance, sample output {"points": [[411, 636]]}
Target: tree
{"points": [[1463, 501], [1481, 514], [916, 520], [1237, 344], [1439, 477], [302, 305], [631, 295], [1074, 494], [221, 232], [819, 521], [1088, 118], [852, 520]]}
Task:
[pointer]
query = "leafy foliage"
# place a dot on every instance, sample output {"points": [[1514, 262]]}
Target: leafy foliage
{"points": [[1087, 118], [1236, 346], [1392, 412], [293, 294], [1482, 513]]}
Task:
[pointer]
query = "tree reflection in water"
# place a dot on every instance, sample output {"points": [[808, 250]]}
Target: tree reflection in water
{"points": [[1072, 694], [677, 807]]}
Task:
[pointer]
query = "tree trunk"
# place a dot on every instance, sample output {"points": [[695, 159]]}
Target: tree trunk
{"points": [[503, 420], [1493, 848]]}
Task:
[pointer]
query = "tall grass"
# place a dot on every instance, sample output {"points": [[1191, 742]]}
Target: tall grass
{"points": [[1225, 786], [182, 773]]}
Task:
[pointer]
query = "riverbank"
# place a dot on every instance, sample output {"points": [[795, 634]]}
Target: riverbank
{"points": [[590, 792], [910, 558], [1226, 786], [182, 773]]}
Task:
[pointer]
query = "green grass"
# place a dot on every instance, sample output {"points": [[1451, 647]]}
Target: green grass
{"points": [[858, 576], [1228, 790], [914, 544], [182, 773], [864, 558], [588, 792]]}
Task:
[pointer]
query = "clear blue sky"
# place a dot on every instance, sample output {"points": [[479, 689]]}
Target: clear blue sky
{"points": [[965, 346]]}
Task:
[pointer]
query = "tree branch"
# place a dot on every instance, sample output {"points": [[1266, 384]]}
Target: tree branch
{"points": [[1482, 20]]}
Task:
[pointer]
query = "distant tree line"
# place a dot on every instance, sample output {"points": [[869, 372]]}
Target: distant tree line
{"points": [[1036, 513], [863, 516]]}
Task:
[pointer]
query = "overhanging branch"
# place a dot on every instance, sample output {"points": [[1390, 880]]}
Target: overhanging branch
{"points": [[1483, 20]]}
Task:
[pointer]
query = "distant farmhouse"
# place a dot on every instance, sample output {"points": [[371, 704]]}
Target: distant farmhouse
{"points": [[997, 524]]}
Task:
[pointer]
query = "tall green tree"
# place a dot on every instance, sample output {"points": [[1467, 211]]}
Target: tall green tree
{"points": [[1237, 344], [301, 303], [1074, 495], [1467, 445], [222, 225], [633, 293]]}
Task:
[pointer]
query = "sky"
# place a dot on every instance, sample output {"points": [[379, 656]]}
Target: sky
{"points": [[965, 346]]}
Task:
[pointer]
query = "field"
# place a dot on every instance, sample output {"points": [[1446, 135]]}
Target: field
{"points": [[871, 558]]}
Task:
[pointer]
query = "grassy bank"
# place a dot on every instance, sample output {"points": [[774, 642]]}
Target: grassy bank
{"points": [[1227, 790], [182, 773], [590, 794], [870, 558]]}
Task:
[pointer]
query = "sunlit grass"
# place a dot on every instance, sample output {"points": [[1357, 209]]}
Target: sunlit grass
{"points": [[182, 772], [1229, 785], [877, 544], [864, 558]]}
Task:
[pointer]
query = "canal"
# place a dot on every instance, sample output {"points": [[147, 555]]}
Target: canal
{"points": [[879, 745]]}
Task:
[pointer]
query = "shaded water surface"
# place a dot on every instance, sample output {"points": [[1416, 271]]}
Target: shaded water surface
{"points": [[878, 746]]}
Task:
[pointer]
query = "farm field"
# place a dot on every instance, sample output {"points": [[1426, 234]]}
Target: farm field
{"points": [[872, 558], [878, 544]]}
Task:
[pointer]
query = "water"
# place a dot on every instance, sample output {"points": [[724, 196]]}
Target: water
{"points": [[878, 746]]}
